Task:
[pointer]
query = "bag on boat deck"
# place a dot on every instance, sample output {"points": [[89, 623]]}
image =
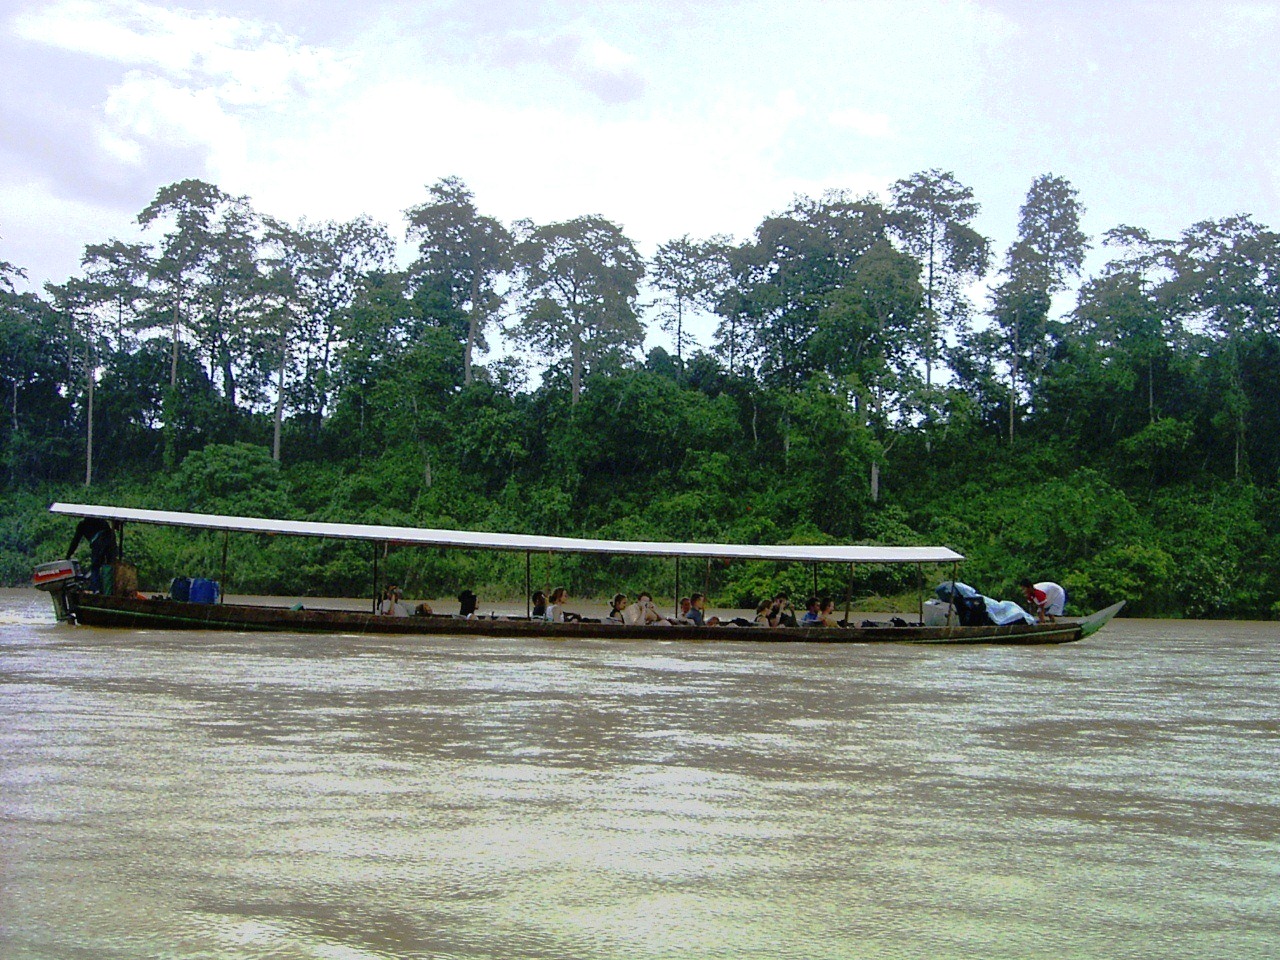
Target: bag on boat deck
{"points": [[972, 611], [123, 581], [180, 589]]}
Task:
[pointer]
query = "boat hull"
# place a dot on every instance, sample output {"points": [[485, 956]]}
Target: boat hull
{"points": [[138, 613]]}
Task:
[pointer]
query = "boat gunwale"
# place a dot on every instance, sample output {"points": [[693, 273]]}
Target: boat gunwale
{"points": [[99, 610]]}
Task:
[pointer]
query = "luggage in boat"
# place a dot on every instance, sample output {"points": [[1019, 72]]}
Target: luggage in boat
{"points": [[120, 578], [204, 591], [180, 589]]}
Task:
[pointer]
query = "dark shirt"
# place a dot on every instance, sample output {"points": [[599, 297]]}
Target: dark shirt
{"points": [[696, 616], [101, 538]]}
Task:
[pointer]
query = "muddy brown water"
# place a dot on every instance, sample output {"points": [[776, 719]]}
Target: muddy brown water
{"points": [[192, 795]]}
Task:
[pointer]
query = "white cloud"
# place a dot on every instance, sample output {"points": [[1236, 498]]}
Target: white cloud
{"points": [[244, 61], [862, 122]]}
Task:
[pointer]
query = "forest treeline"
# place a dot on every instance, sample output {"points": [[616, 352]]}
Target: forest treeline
{"points": [[878, 373]]}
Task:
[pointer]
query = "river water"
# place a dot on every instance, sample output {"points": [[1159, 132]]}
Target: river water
{"points": [[186, 795]]}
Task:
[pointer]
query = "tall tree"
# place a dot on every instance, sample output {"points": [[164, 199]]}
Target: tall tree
{"points": [[1048, 251], [464, 253], [315, 274], [580, 283], [685, 270], [1226, 275], [206, 282], [932, 215], [784, 276]]}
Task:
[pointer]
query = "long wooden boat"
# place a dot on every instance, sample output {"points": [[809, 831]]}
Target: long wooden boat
{"points": [[135, 611]]}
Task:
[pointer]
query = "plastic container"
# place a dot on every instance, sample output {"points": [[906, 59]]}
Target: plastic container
{"points": [[180, 589], [204, 591]]}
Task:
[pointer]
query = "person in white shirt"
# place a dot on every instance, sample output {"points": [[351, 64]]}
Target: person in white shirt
{"points": [[1047, 597], [391, 605], [556, 612]]}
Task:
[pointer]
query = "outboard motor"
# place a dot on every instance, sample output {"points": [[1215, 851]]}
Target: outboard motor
{"points": [[56, 579]]}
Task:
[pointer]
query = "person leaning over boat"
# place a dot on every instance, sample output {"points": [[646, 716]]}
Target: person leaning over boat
{"points": [[1048, 598], [102, 547]]}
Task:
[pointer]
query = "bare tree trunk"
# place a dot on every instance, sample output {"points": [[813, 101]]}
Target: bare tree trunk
{"points": [[576, 380], [88, 442], [279, 418]]}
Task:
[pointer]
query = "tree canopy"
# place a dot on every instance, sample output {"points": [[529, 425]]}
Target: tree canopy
{"points": [[1116, 431]]}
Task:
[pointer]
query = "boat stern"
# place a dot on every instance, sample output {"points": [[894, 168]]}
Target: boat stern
{"points": [[57, 578]]}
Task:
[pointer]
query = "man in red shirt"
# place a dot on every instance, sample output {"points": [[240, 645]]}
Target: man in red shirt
{"points": [[1048, 598]]}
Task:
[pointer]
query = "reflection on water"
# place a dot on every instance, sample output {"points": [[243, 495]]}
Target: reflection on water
{"points": [[226, 795]]}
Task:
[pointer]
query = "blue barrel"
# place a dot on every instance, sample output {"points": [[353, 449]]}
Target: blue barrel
{"points": [[180, 589], [204, 591]]}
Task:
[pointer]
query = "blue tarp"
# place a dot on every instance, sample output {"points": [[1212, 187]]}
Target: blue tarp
{"points": [[1001, 612]]}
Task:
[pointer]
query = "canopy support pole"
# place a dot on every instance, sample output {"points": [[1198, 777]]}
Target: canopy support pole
{"points": [[920, 590], [951, 594], [528, 586], [815, 578], [222, 583], [375, 576], [848, 598], [677, 596]]}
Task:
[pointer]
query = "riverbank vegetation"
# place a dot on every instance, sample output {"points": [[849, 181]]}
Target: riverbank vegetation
{"points": [[877, 373]]}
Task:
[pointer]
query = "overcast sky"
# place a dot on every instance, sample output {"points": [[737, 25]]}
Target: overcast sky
{"points": [[667, 116]]}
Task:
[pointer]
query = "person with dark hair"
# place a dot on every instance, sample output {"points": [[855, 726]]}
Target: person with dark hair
{"points": [[1048, 599], [102, 547], [764, 614], [812, 614], [827, 613], [467, 604], [538, 607], [697, 614], [782, 615], [616, 607], [556, 612]]}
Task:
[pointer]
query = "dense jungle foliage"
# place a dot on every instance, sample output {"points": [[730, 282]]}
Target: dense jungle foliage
{"points": [[1126, 445]]}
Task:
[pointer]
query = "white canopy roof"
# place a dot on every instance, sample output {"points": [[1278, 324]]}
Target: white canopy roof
{"points": [[474, 540]]}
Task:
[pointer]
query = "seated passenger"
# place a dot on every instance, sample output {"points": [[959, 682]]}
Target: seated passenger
{"points": [[556, 612], [783, 615], [764, 614], [682, 611], [812, 614], [697, 612], [538, 608], [827, 613], [467, 604], [391, 605], [616, 608], [647, 613]]}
